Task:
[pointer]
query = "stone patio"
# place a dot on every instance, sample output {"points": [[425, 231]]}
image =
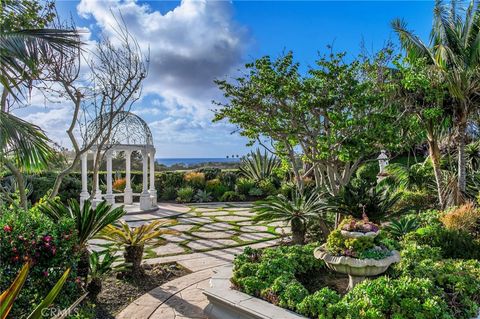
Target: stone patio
{"points": [[210, 235]]}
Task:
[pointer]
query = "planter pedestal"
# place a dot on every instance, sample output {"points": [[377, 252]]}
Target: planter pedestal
{"points": [[356, 269]]}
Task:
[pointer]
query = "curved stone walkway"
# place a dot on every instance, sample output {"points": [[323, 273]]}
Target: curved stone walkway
{"points": [[183, 298], [209, 236]]}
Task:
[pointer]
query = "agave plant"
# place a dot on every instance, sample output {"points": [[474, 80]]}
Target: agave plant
{"points": [[7, 298], [88, 220], [296, 212], [101, 263], [203, 196], [257, 166], [134, 239], [401, 227]]}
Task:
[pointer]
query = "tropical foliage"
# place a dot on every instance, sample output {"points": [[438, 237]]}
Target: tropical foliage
{"points": [[259, 167]]}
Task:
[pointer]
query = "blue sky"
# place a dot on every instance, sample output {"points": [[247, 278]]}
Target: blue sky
{"points": [[192, 43]]}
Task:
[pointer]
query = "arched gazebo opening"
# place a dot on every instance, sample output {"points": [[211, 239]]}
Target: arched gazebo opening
{"points": [[130, 133]]}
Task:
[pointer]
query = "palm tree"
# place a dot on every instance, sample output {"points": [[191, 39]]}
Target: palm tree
{"points": [[23, 55], [455, 50]]}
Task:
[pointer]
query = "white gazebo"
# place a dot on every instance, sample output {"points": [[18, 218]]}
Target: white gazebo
{"points": [[130, 133]]}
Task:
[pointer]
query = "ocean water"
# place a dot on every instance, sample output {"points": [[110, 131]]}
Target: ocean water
{"points": [[194, 161]]}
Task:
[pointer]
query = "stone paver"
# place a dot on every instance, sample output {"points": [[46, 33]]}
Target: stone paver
{"points": [[216, 226], [231, 218], [215, 213], [253, 228], [216, 234], [255, 236], [202, 244], [168, 249]]}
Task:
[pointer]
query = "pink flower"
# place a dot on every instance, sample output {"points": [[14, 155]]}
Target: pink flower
{"points": [[47, 238], [7, 228], [54, 250], [45, 273]]}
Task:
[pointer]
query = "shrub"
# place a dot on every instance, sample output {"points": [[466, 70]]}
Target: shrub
{"points": [[399, 228], [465, 217], [257, 192], [229, 179], [169, 193], [243, 186], [452, 243], [267, 187], [216, 187], [368, 172], [210, 172], [405, 297], [319, 305], [50, 245], [232, 196], [43, 183], [417, 200], [185, 194], [195, 179]]}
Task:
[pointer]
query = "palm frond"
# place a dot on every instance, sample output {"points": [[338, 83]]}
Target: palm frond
{"points": [[258, 166], [25, 142]]}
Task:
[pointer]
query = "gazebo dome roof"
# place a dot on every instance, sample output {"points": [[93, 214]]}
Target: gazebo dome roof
{"points": [[127, 129]]}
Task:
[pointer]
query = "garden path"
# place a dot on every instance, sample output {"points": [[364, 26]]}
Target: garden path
{"points": [[209, 236], [204, 227]]}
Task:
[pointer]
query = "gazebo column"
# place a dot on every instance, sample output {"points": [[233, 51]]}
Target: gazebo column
{"points": [[152, 190], [145, 202], [109, 196], [84, 195], [128, 194], [98, 191]]}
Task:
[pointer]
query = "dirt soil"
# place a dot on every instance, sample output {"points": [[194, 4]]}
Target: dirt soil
{"points": [[118, 292]]}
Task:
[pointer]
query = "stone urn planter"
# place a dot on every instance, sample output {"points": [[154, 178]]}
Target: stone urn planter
{"points": [[356, 269]]}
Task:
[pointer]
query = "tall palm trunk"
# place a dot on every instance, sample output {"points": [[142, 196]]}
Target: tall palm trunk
{"points": [[434, 153]]}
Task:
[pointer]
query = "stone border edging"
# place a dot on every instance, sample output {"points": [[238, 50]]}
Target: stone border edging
{"points": [[227, 303]]}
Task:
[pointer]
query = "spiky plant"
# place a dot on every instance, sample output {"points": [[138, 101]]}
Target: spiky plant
{"points": [[401, 227], [134, 239], [257, 166], [88, 221], [296, 212], [101, 264]]}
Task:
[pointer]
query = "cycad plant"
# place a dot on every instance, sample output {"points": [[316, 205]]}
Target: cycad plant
{"points": [[88, 220], [296, 212], [134, 239], [401, 227], [101, 263], [258, 167]]}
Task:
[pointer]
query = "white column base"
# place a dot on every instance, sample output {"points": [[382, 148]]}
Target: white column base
{"points": [[128, 196], [110, 198], [145, 201], [83, 197], [153, 196], [98, 195]]}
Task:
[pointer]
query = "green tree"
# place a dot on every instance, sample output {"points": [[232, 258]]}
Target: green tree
{"points": [[455, 50], [421, 93]]}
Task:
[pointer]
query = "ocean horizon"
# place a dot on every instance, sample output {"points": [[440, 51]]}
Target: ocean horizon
{"points": [[188, 161]]}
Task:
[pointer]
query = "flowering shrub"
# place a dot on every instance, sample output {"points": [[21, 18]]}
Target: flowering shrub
{"points": [[120, 184], [195, 179], [29, 235]]}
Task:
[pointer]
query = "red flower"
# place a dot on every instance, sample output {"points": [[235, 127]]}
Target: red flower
{"points": [[7, 228]]}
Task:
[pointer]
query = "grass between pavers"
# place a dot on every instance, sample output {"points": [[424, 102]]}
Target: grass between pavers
{"points": [[195, 212]]}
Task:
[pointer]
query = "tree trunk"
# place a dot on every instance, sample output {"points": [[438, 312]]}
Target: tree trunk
{"points": [[83, 267], [133, 256], [20, 183], [434, 153], [298, 232], [462, 173], [94, 288]]}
